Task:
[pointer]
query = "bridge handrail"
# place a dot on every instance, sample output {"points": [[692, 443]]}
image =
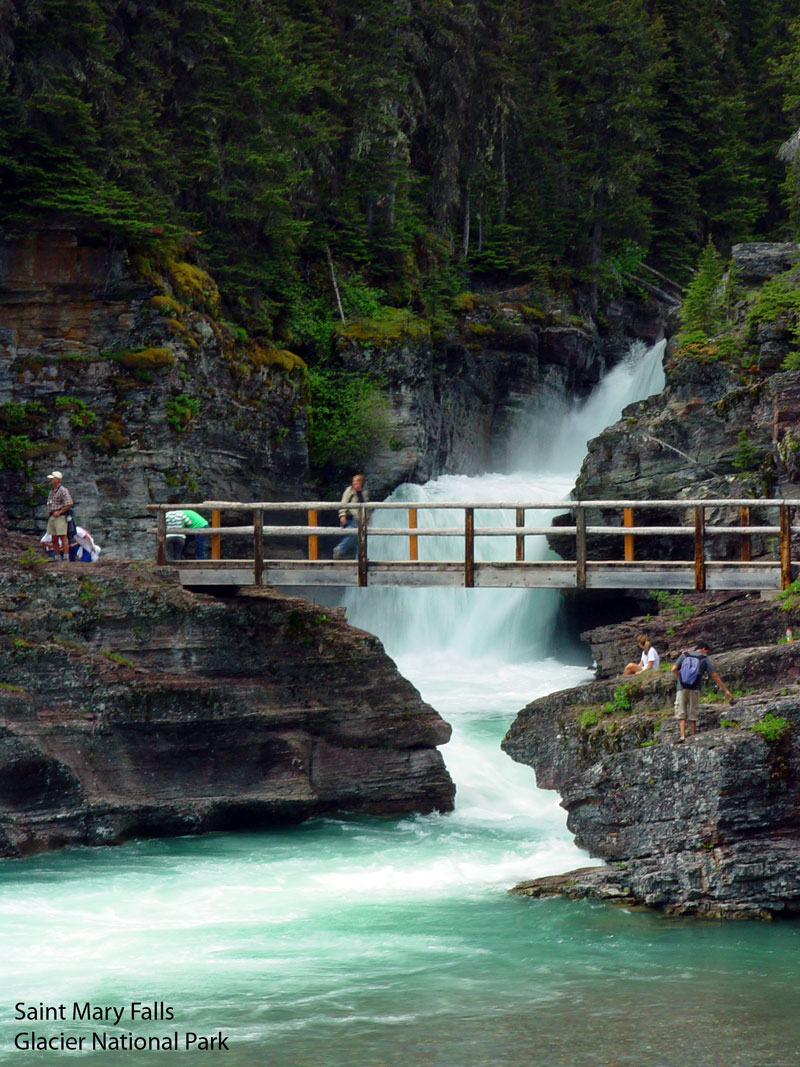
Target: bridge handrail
{"points": [[478, 505], [581, 530]]}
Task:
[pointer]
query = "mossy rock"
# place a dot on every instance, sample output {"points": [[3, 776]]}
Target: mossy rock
{"points": [[166, 305], [393, 326], [262, 356], [194, 286]]}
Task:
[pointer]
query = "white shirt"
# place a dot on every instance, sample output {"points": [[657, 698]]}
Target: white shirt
{"points": [[651, 659]]}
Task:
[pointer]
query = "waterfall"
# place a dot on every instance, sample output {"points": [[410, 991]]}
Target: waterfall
{"points": [[477, 630]]}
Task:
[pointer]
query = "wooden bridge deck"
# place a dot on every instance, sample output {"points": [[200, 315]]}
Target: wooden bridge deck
{"points": [[589, 524], [534, 574]]}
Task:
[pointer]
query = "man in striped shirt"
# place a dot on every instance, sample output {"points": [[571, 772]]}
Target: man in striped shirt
{"points": [[59, 502]]}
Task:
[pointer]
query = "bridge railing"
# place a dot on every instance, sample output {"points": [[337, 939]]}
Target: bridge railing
{"points": [[580, 530]]}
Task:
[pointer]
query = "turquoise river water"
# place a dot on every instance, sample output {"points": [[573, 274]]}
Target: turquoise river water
{"points": [[375, 943]]}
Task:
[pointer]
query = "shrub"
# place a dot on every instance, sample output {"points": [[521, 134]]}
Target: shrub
{"points": [[181, 411], [772, 728], [348, 417]]}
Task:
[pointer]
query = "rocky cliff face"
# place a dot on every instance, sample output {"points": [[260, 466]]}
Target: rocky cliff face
{"points": [[119, 370], [122, 375], [456, 402], [708, 827], [129, 706], [724, 426]]}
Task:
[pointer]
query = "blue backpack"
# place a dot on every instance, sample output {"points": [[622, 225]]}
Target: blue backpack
{"points": [[690, 669]]}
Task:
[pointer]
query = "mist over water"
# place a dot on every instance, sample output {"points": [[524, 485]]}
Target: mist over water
{"points": [[382, 943]]}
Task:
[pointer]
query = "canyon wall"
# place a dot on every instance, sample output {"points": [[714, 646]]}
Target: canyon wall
{"points": [[132, 707]]}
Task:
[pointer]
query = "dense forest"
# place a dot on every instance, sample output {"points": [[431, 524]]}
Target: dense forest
{"points": [[408, 149]]}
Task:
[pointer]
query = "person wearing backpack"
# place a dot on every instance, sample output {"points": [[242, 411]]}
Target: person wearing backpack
{"points": [[691, 668]]}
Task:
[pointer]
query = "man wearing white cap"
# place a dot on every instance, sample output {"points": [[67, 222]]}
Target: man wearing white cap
{"points": [[58, 504]]}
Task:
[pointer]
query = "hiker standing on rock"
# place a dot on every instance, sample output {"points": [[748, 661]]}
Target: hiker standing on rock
{"points": [[691, 668], [58, 504]]}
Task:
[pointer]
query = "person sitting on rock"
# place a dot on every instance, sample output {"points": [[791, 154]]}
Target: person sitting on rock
{"points": [[691, 668], [649, 661]]}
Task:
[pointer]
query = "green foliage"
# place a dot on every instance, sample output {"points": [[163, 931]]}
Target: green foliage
{"points": [[16, 450], [790, 596], [588, 717], [420, 145], [772, 728], [31, 561], [673, 603], [14, 415], [389, 327], [777, 304], [81, 415], [117, 658], [621, 700], [182, 410], [701, 312], [746, 457], [620, 704], [348, 417]]}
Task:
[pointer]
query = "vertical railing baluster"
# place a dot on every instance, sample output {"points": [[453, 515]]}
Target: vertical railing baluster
{"points": [[700, 548], [216, 540], [161, 538], [628, 538], [469, 547], [313, 539], [362, 547], [786, 546], [258, 546], [580, 548], [413, 540], [520, 537], [744, 518]]}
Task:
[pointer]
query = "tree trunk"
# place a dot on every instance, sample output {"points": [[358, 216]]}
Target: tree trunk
{"points": [[467, 210]]}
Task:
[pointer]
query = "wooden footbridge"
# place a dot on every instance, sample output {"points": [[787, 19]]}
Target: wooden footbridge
{"points": [[739, 526]]}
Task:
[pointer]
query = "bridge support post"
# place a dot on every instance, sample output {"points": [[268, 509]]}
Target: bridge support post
{"points": [[520, 538], [627, 520], [313, 540], [362, 547], [216, 540], [700, 549], [580, 548], [258, 546], [413, 540], [786, 546], [469, 547], [744, 518]]}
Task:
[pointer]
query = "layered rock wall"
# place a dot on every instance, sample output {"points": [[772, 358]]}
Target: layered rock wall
{"points": [[129, 706], [708, 826], [126, 382]]}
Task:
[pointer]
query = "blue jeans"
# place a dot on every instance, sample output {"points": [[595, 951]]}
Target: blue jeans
{"points": [[347, 548], [201, 548]]}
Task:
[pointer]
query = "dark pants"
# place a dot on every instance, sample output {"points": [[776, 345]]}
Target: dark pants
{"points": [[201, 548]]}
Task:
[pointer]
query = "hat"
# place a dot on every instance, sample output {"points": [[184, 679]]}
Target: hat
{"points": [[55, 474]]}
